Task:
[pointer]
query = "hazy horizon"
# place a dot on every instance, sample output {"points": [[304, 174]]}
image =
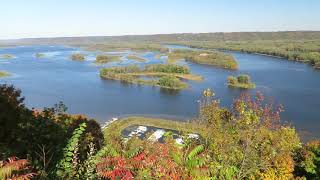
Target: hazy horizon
{"points": [[46, 19], [84, 36]]}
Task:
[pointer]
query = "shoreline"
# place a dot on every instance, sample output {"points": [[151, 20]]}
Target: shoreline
{"points": [[116, 126], [173, 118], [249, 52]]}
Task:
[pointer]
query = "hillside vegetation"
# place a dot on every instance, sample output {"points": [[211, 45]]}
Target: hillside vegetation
{"points": [[138, 46], [167, 38], [247, 141]]}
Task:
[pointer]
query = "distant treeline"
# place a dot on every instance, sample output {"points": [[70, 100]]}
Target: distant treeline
{"points": [[303, 50], [232, 36], [293, 45]]}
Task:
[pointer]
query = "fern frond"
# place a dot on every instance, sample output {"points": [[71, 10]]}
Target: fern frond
{"points": [[177, 157], [197, 162], [133, 152], [196, 151]]}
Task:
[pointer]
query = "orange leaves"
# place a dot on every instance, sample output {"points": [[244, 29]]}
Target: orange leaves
{"points": [[14, 168], [153, 161], [282, 168], [114, 167]]}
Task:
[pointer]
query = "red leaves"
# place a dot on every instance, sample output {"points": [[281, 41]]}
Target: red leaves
{"points": [[155, 160], [269, 116], [15, 168], [15, 163], [114, 167]]}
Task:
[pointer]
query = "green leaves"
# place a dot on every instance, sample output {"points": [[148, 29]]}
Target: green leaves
{"points": [[66, 165], [196, 151], [133, 152]]}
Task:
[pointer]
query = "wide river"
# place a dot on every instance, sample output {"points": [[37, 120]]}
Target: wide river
{"points": [[46, 81]]}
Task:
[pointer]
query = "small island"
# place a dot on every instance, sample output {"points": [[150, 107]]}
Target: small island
{"points": [[136, 58], [241, 81], [40, 55], [78, 57], [6, 56], [213, 58], [162, 75], [4, 74], [101, 59]]}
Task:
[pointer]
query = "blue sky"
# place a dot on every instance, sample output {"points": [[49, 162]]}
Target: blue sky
{"points": [[54, 18]]}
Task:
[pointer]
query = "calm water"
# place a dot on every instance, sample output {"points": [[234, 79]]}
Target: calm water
{"points": [[55, 78]]}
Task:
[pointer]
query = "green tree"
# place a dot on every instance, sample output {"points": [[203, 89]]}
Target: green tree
{"points": [[308, 161], [13, 116], [243, 142], [243, 78], [232, 80]]}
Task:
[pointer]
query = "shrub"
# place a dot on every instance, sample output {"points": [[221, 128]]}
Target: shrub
{"points": [[169, 82], [68, 165], [167, 68], [243, 78], [13, 114], [14, 168], [248, 141], [308, 161], [232, 80], [118, 70]]}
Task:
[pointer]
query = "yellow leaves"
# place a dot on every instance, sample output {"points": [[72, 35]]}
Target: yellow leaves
{"points": [[289, 138], [282, 168]]}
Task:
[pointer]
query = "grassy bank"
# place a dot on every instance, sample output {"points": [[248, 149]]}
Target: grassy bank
{"points": [[242, 81], [136, 58], [306, 51], [4, 74], [217, 59], [165, 75], [116, 127], [101, 59]]}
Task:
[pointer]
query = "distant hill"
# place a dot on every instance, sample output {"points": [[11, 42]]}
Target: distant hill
{"points": [[232, 36]]}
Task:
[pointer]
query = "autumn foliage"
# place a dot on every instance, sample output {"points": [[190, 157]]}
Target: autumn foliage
{"points": [[247, 141], [14, 168]]}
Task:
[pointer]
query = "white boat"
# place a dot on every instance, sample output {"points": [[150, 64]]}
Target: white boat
{"points": [[157, 135], [139, 131]]}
